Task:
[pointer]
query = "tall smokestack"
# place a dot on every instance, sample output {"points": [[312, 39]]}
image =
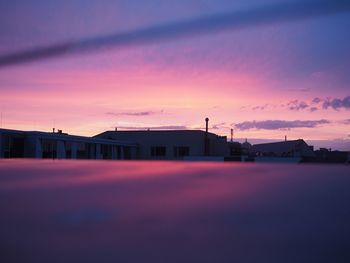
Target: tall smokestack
{"points": [[206, 142], [231, 135], [285, 138], [206, 124]]}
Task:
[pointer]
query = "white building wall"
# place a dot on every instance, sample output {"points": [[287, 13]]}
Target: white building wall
{"points": [[38, 148], [98, 151], [61, 150], [114, 152], [33, 147]]}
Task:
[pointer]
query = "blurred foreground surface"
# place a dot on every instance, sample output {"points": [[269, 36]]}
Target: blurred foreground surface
{"points": [[100, 211]]}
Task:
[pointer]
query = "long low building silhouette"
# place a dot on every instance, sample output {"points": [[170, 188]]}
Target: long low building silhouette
{"points": [[173, 144], [35, 144], [157, 145], [117, 145]]}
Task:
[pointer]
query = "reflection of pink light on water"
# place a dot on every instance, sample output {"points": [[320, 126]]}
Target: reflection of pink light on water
{"points": [[109, 211]]}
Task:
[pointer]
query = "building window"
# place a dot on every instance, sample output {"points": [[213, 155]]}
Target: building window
{"points": [[127, 153], [82, 150], [68, 147], [13, 146], [158, 151], [181, 151], [106, 151]]}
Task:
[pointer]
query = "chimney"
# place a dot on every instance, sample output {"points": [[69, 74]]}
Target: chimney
{"points": [[285, 138], [206, 142], [231, 135]]}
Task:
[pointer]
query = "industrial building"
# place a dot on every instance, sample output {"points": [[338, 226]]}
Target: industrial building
{"points": [[35, 144], [293, 149], [148, 145], [172, 144]]}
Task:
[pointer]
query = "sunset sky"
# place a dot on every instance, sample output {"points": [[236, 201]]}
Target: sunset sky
{"points": [[264, 82]]}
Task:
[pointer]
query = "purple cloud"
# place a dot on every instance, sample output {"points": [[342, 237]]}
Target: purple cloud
{"points": [[218, 126], [279, 124], [261, 107], [346, 122], [164, 127], [138, 114], [296, 105], [337, 104], [299, 89], [316, 100], [313, 105]]}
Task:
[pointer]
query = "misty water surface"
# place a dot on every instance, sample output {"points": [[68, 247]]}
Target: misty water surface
{"points": [[111, 211]]}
